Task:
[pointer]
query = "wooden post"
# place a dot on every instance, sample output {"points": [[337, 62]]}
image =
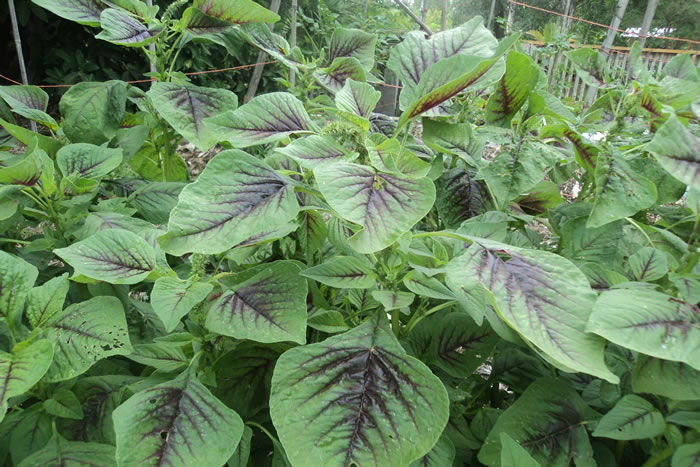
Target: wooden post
{"points": [[443, 19], [491, 13], [424, 10], [293, 37], [257, 71], [408, 11], [646, 22]]}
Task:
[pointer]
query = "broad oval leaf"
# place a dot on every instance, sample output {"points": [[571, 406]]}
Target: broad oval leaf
{"points": [[173, 298], [273, 44], [237, 196], [678, 151], [543, 296], [16, 279], [686, 455], [386, 205], [420, 284], [177, 423], [393, 299], [25, 169], [648, 264], [29, 102], [266, 118], [59, 451], [343, 272], [115, 256], [590, 65], [674, 380], [513, 89], [87, 160], [270, 306], [356, 398], [155, 200], [358, 98], [93, 112], [81, 11], [513, 453], [237, 11], [121, 28], [315, 150], [196, 23], [84, 333], [336, 75], [22, 369], [455, 139], [353, 43], [185, 106], [649, 322], [45, 301], [460, 197], [631, 418]]}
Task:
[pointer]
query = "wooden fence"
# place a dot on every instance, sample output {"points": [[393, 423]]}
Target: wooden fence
{"points": [[563, 80]]}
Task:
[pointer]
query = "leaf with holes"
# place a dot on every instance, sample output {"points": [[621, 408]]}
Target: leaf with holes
{"points": [[29, 102], [342, 69], [543, 296], [512, 90], [177, 423], [357, 98], [115, 256], [548, 421], [631, 418], [93, 112], [674, 380], [47, 300], [118, 27], [173, 298], [649, 322], [185, 106], [87, 160], [316, 150], [648, 264], [236, 11], [22, 369], [85, 12], [237, 196], [266, 118], [16, 280], [85, 333], [356, 398], [343, 272], [270, 306], [353, 43], [678, 151], [385, 205]]}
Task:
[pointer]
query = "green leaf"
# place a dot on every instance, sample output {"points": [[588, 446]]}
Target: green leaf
{"points": [[115, 256], [93, 112], [242, 454], [648, 264], [460, 197], [31, 431], [45, 301], [513, 453], [16, 280], [151, 164], [266, 118], [392, 299], [425, 286], [81, 11], [385, 205], [173, 298], [64, 404], [649, 322], [358, 98], [620, 191], [84, 333], [118, 27], [155, 200], [29, 102], [353, 43], [590, 66], [237, 11], [600, 245], [543, 196], [236, 197], [512, 90], [455, 139], [343, 272], [162, 356], [678, 151], [548, 421], [177, 423], [22, 369], [197, 24], [316, 150], [543, 296], [87, 160], [330, 321], [387, 155], [442, 454], [270, 306], [356, 398], [674, 380], [46, 143], [273, 44], [25, 169], [312, 231], [342, 69], [631, 418], [686, 455], [58, 451], [185, 106]]}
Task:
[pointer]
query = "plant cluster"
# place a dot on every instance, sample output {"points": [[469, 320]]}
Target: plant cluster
{"points": [[334, 289]]}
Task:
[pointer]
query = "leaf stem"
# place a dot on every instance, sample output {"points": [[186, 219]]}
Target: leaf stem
{"points": [[443, 233], [639, 227], [12, 240], [658, 458], [416, 318], [263, 429]]}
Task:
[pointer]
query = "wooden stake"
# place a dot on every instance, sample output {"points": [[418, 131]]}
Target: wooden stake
{"points": [[258, 70]]}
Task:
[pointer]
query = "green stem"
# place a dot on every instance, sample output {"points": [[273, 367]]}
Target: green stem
{"points": [[639, 227], [658, 458], [263, 429], [12, 240], [177, 53], [416, 318], [443, 233], [395, 322]]}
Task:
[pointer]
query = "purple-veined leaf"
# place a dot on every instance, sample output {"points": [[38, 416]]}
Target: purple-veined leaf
{"points": [[358, 98], [590, 66], [353, 43], [674, 380], [266, 118], [22, 369], [242, 454], [343, 272], [46, 143], [115, 256], [649, 322], [333, 78], [648, 264], [173, 298], [29, 102], [64, 404], [16, 280], [393, 299], [155, 200], [512, 453], [270, 306], [24, 169], [588, 244], [385, 205], [236, 11], [586, 154], [460, 197], [196, 23], [543, 296], [443, 453], [387, 155], [84, 333], [46, 300], [93, 112], [237, 196], [177, 423], [548, 421], [631, 418], [512, 90], [120, 28], [162, 356], [316, 150], [273, 44], [455, 139], [87, 160], [81, 11], [312, 231], [59, 451], [678, 151], [356, 398], [543, 196], [185, 106]]}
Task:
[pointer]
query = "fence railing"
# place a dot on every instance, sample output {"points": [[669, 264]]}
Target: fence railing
{"points": [[561, 75]]}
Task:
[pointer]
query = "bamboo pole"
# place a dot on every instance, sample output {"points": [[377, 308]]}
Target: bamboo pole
{"points": [[293, 37], [18, 46], [413, 16], [258, 70]]}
